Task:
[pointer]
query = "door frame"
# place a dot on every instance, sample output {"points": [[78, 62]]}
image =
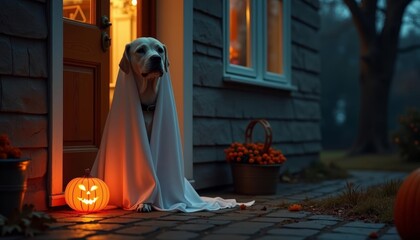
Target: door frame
{"points": [[182, 88], [55, 166]]}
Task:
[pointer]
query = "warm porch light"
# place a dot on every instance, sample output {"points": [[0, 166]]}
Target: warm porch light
{"points": [[87, 194]]}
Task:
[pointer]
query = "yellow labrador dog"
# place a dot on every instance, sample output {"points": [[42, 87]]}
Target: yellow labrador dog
{"points": [[147, 59]]}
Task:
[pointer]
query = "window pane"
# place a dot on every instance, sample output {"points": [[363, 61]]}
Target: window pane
{"points": [[240, 32], [79, 10], [274, 36]]}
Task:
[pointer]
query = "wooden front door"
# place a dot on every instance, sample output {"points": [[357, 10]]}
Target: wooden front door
{"points": [[86, 82]]}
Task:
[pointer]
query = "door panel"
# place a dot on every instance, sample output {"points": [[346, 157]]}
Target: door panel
{"points": [[79, 105], [85, 87]]}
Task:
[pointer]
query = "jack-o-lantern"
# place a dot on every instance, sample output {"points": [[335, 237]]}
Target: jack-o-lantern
{"points": [[87, 194]]}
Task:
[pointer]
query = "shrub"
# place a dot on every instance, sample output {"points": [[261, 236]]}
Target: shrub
{"points": [[407, 137]]}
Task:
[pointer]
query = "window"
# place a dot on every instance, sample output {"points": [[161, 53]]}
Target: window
{"points": [[257, 42]]}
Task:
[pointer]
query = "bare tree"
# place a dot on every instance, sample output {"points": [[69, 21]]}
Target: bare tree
{"points": [[378, 55]]}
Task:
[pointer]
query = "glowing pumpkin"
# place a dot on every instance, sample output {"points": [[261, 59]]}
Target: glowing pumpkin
{"points": [[87, 194], [407, 207]]}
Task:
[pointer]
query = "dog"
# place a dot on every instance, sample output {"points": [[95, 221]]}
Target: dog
{"points": [[140, 157], [148, 59]]}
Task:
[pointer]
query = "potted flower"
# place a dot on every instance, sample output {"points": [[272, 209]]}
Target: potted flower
{"points": [[255, 166], [12, 176]]}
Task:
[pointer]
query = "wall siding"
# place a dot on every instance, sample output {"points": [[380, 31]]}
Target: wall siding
{"points": [[24, 88], [222, 110]]}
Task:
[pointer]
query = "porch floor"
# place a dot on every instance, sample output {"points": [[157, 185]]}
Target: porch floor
{"points": [[264, 220]]}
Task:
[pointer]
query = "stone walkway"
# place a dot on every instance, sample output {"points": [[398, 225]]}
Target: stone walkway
{"points": [[262, 221]]}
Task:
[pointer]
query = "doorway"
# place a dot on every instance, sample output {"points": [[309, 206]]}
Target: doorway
{"points": [[123, 14]]}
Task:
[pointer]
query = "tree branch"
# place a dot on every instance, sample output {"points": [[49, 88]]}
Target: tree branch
{"points": [[357, 16]]}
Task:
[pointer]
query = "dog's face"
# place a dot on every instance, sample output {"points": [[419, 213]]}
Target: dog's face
{"points": [[147, 57]]}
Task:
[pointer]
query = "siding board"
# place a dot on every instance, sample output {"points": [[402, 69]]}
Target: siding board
{"points": [[24, 88], [221, 110]]}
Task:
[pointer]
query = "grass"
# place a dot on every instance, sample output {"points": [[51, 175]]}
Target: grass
{"points": [[316, 172], [385, 162], [373, 204]]}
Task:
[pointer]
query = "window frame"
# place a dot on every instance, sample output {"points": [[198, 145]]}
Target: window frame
{"points": [[258, 74]]}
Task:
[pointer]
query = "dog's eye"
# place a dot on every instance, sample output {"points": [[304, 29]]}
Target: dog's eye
{"points": [[159, 50], [141, 50]]}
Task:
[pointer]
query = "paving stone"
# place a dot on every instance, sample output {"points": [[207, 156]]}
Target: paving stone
{"points": [[293, 232], [96, 226], [138, 230], [114, 237], [207, 221], [153, 214], [390, 237], [178, 217], [116, 212], [194, 227], [225, 236], [162, 224], [177, 235], [324, 217], [269, 219], [359, 224], [243, 228], [231, 217], [273, 237], [120, 220], [354, 230], [340, 236], [308, 225], [392, 230], [200, 214], [78, 220], [287, 214], [325, 222], [59, 225], [64, 234]]}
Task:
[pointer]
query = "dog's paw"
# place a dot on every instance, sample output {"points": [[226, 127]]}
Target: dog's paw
{"points": [[144, 207]]}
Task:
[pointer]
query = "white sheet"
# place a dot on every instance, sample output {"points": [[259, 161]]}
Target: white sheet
{"points": [[138, 172]]}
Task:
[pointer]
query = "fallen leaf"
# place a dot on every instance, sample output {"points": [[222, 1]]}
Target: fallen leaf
{"points": [[373, 235], [295, 207]]}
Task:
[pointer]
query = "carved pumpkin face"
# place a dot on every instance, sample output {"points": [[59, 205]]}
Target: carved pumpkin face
{"points": [[87, 194]]}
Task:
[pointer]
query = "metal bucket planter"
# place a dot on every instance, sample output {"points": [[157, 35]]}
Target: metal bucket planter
{"points": [[253, 179], [12, 184], [256, 179]]}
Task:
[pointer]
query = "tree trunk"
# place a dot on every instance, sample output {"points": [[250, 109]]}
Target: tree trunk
{"points": [[375, 80], [378, 51]]}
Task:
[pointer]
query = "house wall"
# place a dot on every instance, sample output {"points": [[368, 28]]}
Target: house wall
{"points": [[24, 87], [222, 110]]}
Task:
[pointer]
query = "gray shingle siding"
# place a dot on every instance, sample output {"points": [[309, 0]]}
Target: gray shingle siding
{"points": [[222, 110], [24, 87]]}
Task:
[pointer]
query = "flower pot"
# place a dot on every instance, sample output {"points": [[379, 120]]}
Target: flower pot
{"points": [[254, 179], [12, 184]]}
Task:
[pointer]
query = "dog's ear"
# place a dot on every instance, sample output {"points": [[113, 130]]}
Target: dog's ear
{"points": [[166, 59], [125, 60]]}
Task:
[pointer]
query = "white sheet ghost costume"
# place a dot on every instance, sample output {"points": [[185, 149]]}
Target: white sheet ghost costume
{"points": [[138, 171]]}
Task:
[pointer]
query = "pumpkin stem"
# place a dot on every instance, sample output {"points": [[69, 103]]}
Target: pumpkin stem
{"points": [[87, 172]]}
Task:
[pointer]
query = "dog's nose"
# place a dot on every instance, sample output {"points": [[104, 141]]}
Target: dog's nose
{"points": [[155, 59]]}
